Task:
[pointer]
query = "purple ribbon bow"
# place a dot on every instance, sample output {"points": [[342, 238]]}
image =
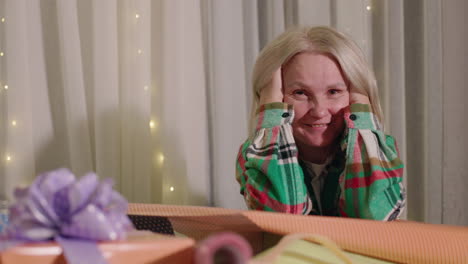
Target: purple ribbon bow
{"points": [[75, 213]]}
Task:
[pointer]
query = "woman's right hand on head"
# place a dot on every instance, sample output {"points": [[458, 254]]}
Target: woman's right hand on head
{"points": [[273, 91]]}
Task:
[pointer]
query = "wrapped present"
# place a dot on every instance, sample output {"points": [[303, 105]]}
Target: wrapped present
{"points": [[398, 241], [61, 219], [137, 248]]}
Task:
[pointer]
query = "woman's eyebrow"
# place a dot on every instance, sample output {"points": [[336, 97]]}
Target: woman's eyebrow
{"points": [[299, 83], [296, 83], [303, 85], [338, 84]]}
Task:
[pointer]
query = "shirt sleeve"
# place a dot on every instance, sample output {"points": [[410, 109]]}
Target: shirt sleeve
{"points": [[267, 168], [371, 183]]}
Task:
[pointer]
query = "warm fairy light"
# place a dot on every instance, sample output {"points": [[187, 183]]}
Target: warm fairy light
{"points": [[145, 87], [13, 123], [161, 158], [171, 189], [158, 159], [368, 8], [6, 87], [3, 19], [8, 158], [152, 124], [1, 54], [137, 15], [139, 51]]}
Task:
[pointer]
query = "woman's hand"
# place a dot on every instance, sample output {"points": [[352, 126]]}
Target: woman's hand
{"points": [[273, 92], [356, 97]]}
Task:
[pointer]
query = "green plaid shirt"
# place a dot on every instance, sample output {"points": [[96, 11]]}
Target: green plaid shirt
{"points": [[363, 180]]}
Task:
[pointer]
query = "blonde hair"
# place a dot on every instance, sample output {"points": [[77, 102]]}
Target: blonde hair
{"points": [[315, 39]]}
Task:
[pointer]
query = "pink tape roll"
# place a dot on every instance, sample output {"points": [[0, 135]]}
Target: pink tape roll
{"points": [[224, 247]]}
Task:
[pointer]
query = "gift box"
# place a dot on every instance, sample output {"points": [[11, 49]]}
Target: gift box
{"points": [[61, 219], [138, 248], [398, 241]]}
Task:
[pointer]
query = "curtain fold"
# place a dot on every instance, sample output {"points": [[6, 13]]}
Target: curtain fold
{"points": [[74, 101], [156, 94], [135, 101], [416, 118], [99, 32], [17, 91], [184, 101], [455, 145], [271, 20], [224, 54], [433, 81]]}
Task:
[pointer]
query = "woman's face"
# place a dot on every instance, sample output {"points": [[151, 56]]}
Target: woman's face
{"points": [[314, 85]]}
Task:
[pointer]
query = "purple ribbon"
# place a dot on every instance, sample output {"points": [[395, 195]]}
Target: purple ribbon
{"points": [[75, 213]]}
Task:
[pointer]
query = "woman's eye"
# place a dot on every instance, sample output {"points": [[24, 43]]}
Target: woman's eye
{"points": [[334, 91], [299, 92]]}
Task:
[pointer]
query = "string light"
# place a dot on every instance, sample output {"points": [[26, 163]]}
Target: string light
{"points": [[6, 87], [1, 54], [8, 158], [3, 20], [161, 159], [13, 123], [145, 87], [368, 8], [137, 15], [171, 189], [152, 124], [139, 51]]}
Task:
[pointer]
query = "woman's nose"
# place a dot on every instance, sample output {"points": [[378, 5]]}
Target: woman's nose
{"points": [[317, 110]]}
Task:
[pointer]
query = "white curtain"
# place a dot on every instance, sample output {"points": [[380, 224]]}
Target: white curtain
{"points": [[116, 87], [156, 94]]}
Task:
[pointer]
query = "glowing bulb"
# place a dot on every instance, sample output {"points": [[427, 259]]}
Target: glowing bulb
{"points": [[8, 158], [161, 158], [140, 51], [137, 15], [368, 8], [145, 87], [13, 123], [152, 124], [6, 87], [171, 189], [3, 19], [1, 54]]}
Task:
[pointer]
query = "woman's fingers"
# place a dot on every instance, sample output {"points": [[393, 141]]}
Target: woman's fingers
{"points": [[358, 97], [273, 91]]}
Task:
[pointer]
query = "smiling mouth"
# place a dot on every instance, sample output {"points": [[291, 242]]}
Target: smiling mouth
{"points": [[316, 125]]}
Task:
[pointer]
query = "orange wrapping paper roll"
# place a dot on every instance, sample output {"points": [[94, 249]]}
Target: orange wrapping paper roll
{"points": [[401, 241]]}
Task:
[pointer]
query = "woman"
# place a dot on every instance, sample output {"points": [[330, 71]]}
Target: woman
{"points": [[317, 146]]}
